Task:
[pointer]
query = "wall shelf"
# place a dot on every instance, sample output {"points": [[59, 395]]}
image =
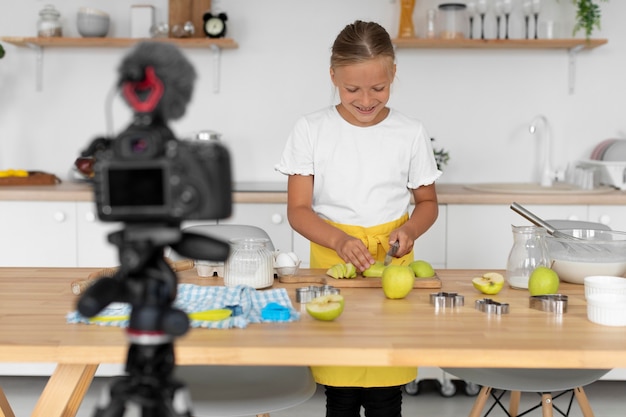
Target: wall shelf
{"points": [[573, 47], [39, 44], [421, 43]]}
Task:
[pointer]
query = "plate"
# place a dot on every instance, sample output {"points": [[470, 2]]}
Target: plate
{"points": [[616, 151], [600, 148]]}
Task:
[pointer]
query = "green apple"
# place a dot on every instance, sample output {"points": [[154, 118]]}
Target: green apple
{"points": [[490, 283], [326, 307], [422, 269], [339, 271], [397, 281], [542, 281], [375, 270]]}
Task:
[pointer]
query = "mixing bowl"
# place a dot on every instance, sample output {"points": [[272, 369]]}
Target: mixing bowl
{"points": [[588, 252], [92, 23]]}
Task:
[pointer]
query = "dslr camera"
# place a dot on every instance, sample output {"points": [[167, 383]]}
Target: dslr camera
{"points": [[147, 175]]}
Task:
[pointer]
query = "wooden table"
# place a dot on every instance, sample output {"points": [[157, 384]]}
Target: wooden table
{"points": [[372, 331]]}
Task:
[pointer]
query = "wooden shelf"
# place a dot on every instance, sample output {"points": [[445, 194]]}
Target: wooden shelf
{"points": [[421, 43], [63, 42]]}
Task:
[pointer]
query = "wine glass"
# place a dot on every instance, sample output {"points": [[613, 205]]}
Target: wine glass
{"points": [[536, 6], [507, 7], [527, 8], [481, 7], [498, 10], [471, 11]]}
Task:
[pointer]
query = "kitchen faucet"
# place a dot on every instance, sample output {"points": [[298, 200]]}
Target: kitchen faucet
{"points": [[546, 175]]}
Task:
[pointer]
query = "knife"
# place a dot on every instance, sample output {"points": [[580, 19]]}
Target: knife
{"points": [[392, 251]]}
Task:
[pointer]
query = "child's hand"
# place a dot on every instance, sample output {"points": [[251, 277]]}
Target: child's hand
{"points": [[354, 251]]}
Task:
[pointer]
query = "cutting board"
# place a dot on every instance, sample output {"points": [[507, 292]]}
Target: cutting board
{"points": [[358, 282]]}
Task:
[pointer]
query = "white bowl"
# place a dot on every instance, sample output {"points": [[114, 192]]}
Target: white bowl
{"points": [[92, 23], [285, 271], [607, 309], [602, 284]]}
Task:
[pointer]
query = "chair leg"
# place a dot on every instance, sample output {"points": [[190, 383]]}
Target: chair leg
{"points": [[481, 400], [514, 403], [546, 404], [583, 402], [5, 408]]}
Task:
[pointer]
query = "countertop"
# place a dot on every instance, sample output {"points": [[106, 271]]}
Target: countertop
{"points": [[276, 192]]}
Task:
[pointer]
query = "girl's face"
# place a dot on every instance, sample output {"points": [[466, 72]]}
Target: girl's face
{"points": [[364, 90]]}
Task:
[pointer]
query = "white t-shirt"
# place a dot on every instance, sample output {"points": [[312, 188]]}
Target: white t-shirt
{"points": [[362, 175]]}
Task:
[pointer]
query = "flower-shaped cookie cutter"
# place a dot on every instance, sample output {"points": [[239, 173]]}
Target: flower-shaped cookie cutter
{"points": [[487, 305]]}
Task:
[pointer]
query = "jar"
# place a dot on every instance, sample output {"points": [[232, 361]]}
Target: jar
{"points": [[49, 24], [528, 252], [452, 20], [250, 263]]}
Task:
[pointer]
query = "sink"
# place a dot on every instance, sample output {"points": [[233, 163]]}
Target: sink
{"points": [[533, 188]]}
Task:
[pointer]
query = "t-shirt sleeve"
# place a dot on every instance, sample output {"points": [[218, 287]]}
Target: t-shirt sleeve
{"points": [[297, 156], [423, 168]]}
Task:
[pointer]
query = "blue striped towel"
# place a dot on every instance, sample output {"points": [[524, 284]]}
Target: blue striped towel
{"points": [[192, 298]]}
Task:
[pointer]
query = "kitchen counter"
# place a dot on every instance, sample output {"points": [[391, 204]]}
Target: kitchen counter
{"points": [[275, 192]]}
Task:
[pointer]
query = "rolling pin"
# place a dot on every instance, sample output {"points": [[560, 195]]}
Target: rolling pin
{"points": [[79, 286]]}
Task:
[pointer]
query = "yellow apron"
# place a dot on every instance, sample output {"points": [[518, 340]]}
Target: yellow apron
{"points": [[376, 239]]}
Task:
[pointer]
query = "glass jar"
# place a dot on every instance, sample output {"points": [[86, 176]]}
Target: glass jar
{"points": [[452, 20], [250, 263], [528, 252], [49, 24]]}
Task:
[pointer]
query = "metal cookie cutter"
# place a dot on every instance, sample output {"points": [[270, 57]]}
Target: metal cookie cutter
{"points": [[446, 299], [306, 294], [552, 303], [487, 305]]}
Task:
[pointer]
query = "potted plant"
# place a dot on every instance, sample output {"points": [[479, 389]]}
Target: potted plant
{"points": [[587, 16], [1, 51]]}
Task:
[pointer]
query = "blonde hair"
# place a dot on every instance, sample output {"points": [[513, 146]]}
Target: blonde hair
{"points": [[361, 41]]}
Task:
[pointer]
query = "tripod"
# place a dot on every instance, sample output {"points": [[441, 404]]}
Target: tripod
{"points": [[149, 285]]}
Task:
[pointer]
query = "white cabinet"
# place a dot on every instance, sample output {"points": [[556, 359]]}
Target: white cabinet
{"points": [[612, 216], [93, 248], [41, 233], [270, 217], [479, 235], [431, 246]]}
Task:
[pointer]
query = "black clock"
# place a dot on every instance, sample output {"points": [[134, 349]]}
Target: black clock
{"points": [[214, 26]]}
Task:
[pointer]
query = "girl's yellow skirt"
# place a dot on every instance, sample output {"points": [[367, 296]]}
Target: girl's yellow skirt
{"points": [[376, 239]]}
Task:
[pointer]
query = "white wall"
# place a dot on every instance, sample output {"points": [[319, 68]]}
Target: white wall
{"points": [[476, 103]]}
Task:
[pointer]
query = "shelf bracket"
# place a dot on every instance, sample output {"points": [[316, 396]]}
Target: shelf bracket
{"points": [[217, 56], [38, 65], [572, 53]]}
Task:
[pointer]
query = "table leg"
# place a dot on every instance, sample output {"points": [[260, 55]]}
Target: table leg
{"points": [[64, 391], [5, 408]]}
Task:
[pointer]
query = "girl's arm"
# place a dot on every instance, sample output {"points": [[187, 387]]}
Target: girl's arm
{"points": [[305, 221]]}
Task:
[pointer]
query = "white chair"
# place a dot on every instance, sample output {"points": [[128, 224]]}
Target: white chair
{"points": [[235, 391], [543, 381]]}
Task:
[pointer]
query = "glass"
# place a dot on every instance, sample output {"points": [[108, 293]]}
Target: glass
{"points": [[528, 252], [471, 11], [507, 8], [499, 12], [481, 7], [250, 263], [536, 9], [527, 8], [49, 25]]}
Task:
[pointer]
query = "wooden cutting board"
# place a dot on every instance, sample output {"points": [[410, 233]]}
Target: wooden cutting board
{"points": [[358, 282]]}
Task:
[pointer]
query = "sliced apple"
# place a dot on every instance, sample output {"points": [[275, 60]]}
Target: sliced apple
{"points": [[375, 270], [326, 307], [490, 283], [339, 271]]}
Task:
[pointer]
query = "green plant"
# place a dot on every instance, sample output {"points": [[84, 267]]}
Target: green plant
{"points": [[441, 157], [1, 51], [587, 16]]}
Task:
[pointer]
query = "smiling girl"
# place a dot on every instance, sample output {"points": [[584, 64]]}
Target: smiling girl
{"points": [[353, 168]]}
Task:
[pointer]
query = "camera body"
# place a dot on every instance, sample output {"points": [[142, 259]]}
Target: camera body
{"points": [[146, 174]]}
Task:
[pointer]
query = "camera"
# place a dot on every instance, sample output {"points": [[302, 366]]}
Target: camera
{"points": [[146, 174]]}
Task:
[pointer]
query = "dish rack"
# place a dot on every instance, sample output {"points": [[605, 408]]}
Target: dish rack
{"points": [[611, 173]]}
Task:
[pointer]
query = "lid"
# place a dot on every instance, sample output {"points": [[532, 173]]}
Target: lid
{"points": [[452, 6], [49, 10]]}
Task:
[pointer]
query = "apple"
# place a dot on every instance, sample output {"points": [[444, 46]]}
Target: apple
{"points": [[422, 269], [326, 307], [339, 271], [375, 270], [490, 283], [397, 281], [542, 281]]}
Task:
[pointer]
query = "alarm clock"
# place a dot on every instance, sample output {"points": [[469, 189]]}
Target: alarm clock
{"points": [[214, 26]]}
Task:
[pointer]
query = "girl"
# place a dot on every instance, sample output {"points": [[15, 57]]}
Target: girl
{"points": [[353, 168]]}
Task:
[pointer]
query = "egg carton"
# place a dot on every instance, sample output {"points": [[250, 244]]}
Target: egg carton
{"points": [[612, 173]]}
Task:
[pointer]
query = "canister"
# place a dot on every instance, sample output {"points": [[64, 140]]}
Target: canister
{"points": [[452, 20], [250, 263]]}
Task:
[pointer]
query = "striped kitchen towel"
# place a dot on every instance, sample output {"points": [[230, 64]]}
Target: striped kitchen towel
{"points": [[193, 298]]}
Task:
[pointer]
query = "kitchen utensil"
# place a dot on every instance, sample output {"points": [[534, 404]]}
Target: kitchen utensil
{"points": [[552, 303], [607, 309], [392, 251], [487, 305], [250, 263], [92, 23], [528, 252], [604, 284]]}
